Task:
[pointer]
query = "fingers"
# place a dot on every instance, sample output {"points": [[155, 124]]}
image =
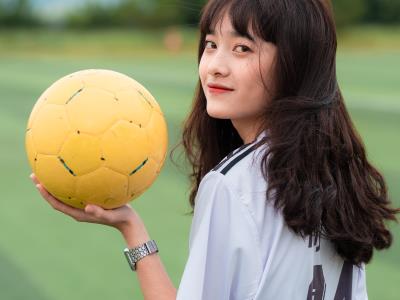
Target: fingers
{"points": [[94, 210], [58, 205], [34, 178], [98, 213], [55, 203], [91, 213]]}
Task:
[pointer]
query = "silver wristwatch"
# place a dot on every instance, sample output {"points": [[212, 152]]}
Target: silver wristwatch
{"points": [[135, 254]]}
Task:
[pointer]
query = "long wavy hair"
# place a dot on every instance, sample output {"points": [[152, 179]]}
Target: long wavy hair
{"points": [[315, 164]]}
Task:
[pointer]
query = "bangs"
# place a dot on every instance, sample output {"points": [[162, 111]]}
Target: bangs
{"points": [[246, 16]]}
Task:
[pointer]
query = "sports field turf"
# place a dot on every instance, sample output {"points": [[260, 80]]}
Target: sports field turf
{"points": [[46, 255]]}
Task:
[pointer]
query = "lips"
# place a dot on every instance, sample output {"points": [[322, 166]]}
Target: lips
{"points": [[219, 88]]}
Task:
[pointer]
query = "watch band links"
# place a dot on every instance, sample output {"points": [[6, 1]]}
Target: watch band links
{"points": [[135, 254]]}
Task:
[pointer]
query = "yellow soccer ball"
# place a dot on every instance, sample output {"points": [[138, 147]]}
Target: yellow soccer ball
{"points": [[96, 137]]}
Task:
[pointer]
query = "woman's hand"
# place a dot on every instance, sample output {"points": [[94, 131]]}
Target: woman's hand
{"points": [[153, 278], [124, 218]]}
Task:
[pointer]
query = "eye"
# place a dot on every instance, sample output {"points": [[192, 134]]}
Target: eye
{"points": [[244, 48], [209, 44]]}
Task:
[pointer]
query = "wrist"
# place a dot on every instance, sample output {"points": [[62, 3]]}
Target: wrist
{"points": [[134, 234], [135, 254]]}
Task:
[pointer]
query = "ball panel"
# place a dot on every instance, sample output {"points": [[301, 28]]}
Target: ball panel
{"points": [[147, 96], [106, 79], [64, 90], [157, 134], [103, 187], [92, 110], [111, 203], [72, 201], [142, 180], [54, 176], [82, 153], [50, 129], [133, 107], [125, 147], [30, 149]]}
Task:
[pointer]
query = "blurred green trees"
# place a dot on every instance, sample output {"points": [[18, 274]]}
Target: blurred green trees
{"points": [[159, 13], [383, 11], [347, 13], [149, 13], [366, 11], [17, 13]]}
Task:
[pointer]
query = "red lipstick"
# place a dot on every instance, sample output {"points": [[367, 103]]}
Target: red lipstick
{"points": [[218, 88]]}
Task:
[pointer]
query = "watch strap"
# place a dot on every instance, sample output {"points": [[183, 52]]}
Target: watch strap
{"points": [[135, 254]]}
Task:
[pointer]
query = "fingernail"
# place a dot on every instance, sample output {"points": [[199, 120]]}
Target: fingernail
{"points": [[38, 186]]}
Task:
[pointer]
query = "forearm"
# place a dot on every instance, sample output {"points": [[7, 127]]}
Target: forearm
{"points": [[153, 278]]}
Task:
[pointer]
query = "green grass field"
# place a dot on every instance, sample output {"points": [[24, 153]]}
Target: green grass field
{"points": [[45, 255]]}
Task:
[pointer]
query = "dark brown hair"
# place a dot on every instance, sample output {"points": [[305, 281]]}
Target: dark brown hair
{"points": [[316, 165]]}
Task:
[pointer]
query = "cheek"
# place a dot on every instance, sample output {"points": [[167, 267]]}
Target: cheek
{"points": [[253, 95], [202, 70], [259, 81], [269, 74], [252, 103], [252, 82]]}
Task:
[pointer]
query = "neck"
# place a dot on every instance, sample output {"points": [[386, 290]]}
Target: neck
{"points": [[248, 131]]}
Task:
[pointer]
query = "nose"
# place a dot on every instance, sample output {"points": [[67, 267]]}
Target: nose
{"points": [[218, 65]]}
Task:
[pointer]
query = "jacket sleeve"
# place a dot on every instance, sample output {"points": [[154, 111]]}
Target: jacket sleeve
{"points": [[224, 257]]}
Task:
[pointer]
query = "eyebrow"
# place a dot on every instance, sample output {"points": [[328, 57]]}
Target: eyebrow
{"points": [[235, 34]]}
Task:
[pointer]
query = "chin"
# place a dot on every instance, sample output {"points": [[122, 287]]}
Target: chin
{"points": [[217, 114], [218, 111]]}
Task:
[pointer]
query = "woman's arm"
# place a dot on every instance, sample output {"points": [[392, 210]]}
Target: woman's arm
{"points": [[154, 280]]}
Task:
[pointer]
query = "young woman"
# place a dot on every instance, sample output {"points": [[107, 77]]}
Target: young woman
{"points": [[286, 204]]}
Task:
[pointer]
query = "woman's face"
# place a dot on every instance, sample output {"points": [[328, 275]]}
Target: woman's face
{"points": [[236, 63]]}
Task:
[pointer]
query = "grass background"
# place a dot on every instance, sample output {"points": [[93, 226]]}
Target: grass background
{"points": [[46, 255]]}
